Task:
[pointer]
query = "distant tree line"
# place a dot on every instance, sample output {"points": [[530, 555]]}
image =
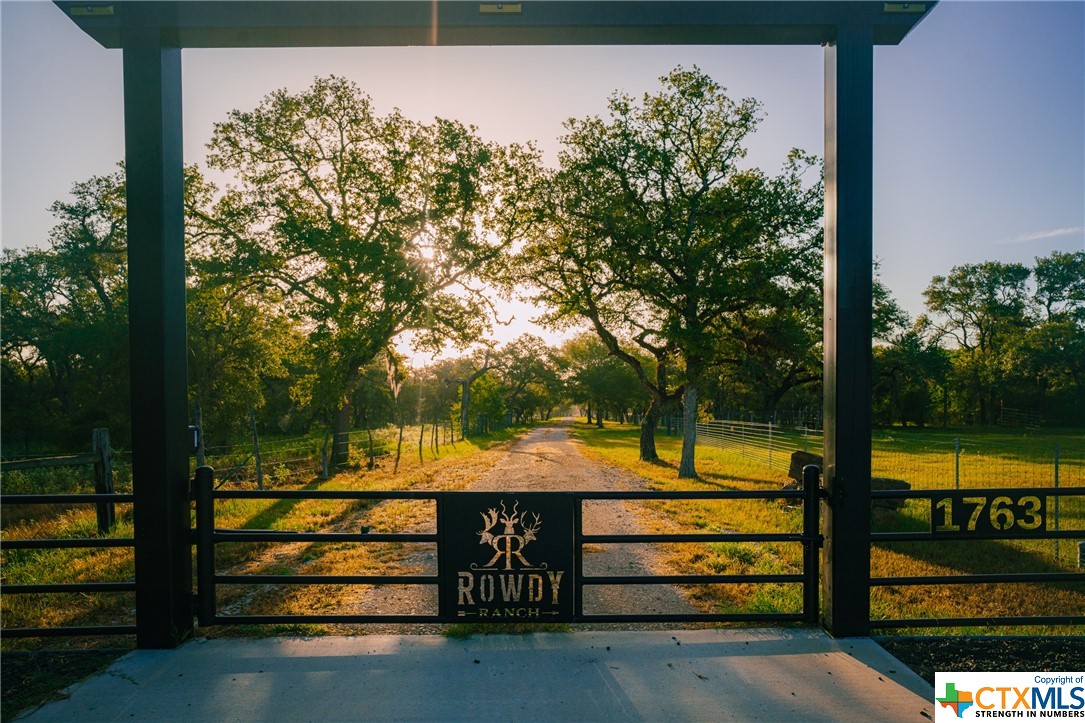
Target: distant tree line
{"points": [[344, 232], [994, 336]]}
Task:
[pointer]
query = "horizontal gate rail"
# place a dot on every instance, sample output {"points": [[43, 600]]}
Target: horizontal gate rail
{"points": [[74, 499], [325, 495], [980, 500], [76, 587], [70, 632], [277, 536], [65, 544], [690, 579], [979, 622], [811, 540], [326, 579], [321, 619], [980, 579], [69, 543], [208, 536], [699, 537]]}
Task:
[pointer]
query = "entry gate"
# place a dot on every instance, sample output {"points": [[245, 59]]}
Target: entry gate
{"points": [[476, 572], [526, 564]]}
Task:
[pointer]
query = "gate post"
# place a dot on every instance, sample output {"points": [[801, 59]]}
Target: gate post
{"points": [[849, 164], [811, 504], [103, 479], [204, 488], [156, 283]]}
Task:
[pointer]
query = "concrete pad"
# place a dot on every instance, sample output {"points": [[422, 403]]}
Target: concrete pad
{"points": [[686, 675]]}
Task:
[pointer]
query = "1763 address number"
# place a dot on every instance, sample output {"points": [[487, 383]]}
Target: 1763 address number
{"points": [[972, 511]]}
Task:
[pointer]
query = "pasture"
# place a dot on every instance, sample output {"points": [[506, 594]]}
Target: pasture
{"points": [[926, 459]]}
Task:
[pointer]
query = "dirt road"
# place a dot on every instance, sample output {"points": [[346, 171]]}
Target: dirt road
{"points": [[549, 459]]}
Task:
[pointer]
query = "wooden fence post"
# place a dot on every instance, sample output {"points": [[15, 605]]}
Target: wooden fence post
{"points": [[256, 449], [103, 479], [324, 457], [201, 450]]}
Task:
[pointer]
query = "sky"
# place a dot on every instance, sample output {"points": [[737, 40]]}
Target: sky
{"points": [[979, 118]]}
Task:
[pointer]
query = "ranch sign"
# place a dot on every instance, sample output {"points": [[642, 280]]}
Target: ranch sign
{"points": [[507, 557]]}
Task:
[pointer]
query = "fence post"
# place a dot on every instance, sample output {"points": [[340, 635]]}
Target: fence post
{"points": [[770, 444], [205, 545], [201, 448], [957, 462], [1056, 502], [324, 457], [811, 532], [103, 479], [256, 449]]}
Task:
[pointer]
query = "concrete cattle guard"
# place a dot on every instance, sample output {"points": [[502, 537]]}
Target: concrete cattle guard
{"points": [[151, 36]]}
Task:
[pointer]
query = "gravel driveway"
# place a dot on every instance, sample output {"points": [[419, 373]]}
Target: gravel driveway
{"points": [[549, 459]]}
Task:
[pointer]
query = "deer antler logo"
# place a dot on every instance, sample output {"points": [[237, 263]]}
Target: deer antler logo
{"points": [[509, 544]]}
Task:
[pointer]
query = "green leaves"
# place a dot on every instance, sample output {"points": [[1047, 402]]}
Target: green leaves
{"points": [[369, 226], [654, 233]]}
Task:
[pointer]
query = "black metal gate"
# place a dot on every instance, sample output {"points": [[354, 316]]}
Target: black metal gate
{"points": [[511, 570], [1013, 513]]}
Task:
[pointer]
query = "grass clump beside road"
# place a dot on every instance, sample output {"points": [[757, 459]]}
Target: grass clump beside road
{"points": [[729, 470]]}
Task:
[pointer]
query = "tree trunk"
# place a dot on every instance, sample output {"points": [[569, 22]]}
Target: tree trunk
{"points": [[421, 436], [341, 419], [648, 426], [599, 415], [687, 468], [399, 444]]}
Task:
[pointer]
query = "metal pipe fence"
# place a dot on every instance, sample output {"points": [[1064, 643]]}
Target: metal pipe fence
{"points": [[13, 546]]}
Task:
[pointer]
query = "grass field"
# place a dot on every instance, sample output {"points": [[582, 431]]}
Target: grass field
{"points": [[1011, 458]]}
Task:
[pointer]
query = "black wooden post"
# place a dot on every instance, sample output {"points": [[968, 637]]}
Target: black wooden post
{"points": [[156, 282], [103, 479], [849, 167]]}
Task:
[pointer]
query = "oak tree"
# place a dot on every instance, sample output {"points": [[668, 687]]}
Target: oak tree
{"points": [[370, 226], [659, 235]]}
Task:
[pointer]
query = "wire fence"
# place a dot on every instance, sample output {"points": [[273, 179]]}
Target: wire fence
{"points": [[771, 444], [254, 458], [277, 460], [925, 461]]}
